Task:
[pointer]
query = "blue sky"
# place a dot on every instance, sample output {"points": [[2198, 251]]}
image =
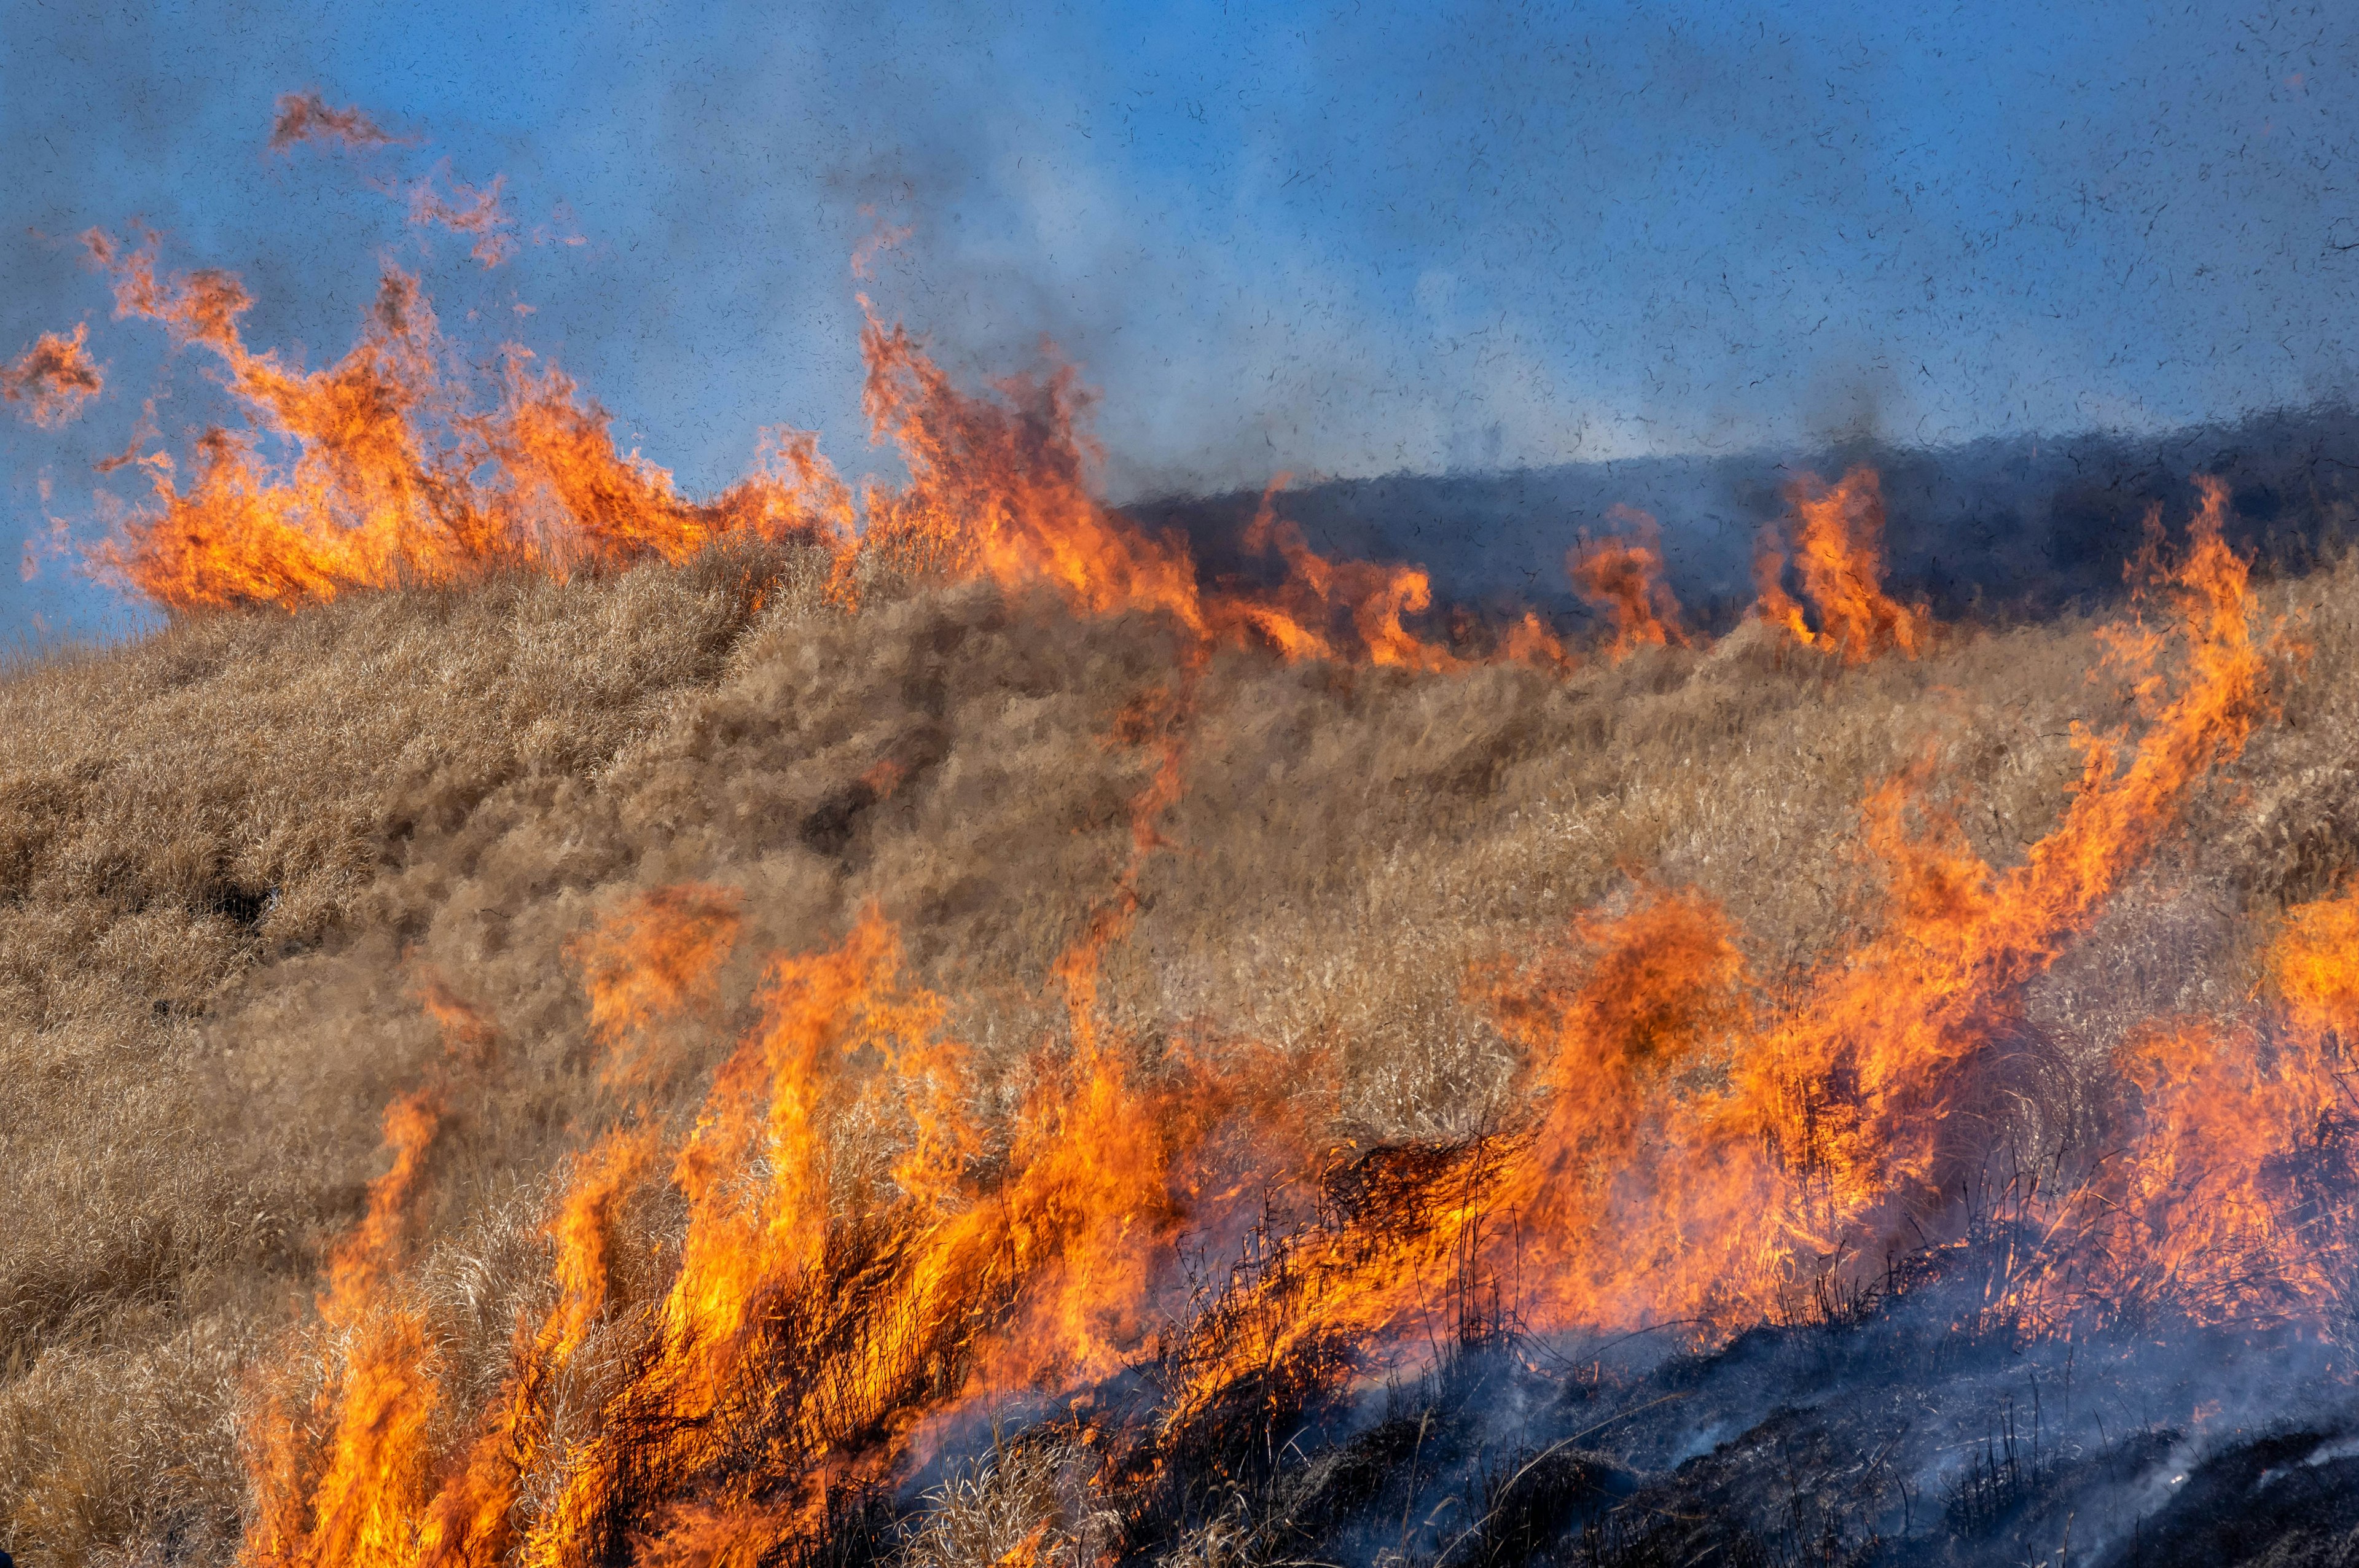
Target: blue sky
{"points": [[1331, 240]]}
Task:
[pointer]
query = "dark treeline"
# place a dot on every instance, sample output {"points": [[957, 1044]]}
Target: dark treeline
{"points": [[1998, 528]]}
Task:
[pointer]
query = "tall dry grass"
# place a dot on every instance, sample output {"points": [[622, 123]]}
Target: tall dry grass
{"points": [[234, 854]]}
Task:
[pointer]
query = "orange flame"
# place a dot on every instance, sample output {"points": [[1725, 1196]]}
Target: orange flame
{"points": [[394, 477], [1058, 1256], [1640, 1198], [1000, 490], [1703, 1144], [374, 1472], [1840, 539], [1624, 577], [367, 1479], [2224, 1199], [1901, 1017], [1531, 640], [1705, 1147], [653, 959], [387, 484], [1641, 1192]]}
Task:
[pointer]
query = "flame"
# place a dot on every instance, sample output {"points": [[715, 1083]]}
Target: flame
{"points": [[54, 378], [1772, 603], [1000, 490], [653, 959], [374, 1471], [1531, 640], [1840, 540], [393, 479], [1623, 576], [1058, 1257], [353, 1498], [864, 1253], [2207, 1218], [2233, 1205], [1899, 1020], [1646, 1195], [897, 1301], [2315, 963]]}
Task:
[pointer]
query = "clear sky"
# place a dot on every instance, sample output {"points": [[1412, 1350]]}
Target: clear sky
{"points": [[1337, 240]]}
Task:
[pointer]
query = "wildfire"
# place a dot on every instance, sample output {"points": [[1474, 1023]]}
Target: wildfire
{"points": [[1704, 1146], [394, 476], [755, 1319], [1001, 491], [350, 1494], [395, 479]]}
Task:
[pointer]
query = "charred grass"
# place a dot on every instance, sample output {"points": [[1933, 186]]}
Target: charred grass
{"points": [[234, 851]]}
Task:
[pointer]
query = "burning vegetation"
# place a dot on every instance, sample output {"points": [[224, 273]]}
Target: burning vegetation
{"points": [[567, 1025]]}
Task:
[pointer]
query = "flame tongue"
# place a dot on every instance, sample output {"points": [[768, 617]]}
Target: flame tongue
{"points": [[1623, 577], [394, 477], [1001, 492], [1841, 542], [54, 378]]}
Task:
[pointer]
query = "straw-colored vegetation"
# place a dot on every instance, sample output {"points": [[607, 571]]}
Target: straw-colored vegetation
{"points": [[235, 853]]}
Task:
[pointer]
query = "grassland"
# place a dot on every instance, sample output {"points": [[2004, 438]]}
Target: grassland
{"points": [[235, 852]]}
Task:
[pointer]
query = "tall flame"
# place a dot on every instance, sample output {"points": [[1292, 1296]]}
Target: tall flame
{"points": [[860, 1253], [391, 474], [1640, 1198], [1839, 541], [353, 1496], [1000, 490], [395, 479], [1622, 575]]}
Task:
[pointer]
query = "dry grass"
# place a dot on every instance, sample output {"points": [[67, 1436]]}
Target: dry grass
{"points": [[233, 852]]}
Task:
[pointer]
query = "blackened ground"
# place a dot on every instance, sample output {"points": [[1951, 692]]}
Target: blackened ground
{"points": [[1908, 1436]]}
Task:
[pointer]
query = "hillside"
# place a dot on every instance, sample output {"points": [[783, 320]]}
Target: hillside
{"points": [[262, 875], [560, 1024]]}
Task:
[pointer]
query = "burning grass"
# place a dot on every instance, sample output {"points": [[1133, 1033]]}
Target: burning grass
{"points": [[826, 1028], [821, 1034]]}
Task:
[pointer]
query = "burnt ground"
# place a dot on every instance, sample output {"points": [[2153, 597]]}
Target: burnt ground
{"points": [[1906, 1439], [1909, 1436]]}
